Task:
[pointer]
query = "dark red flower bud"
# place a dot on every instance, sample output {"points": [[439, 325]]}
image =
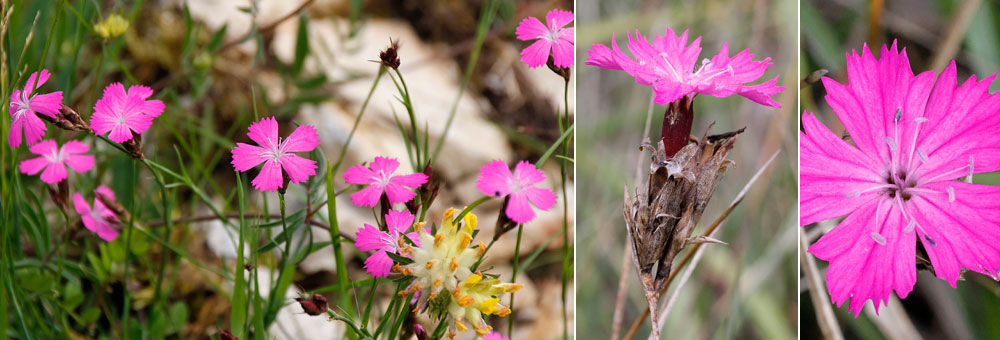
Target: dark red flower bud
{"points": [[315, 305]]}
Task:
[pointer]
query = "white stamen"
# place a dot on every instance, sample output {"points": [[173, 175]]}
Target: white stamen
{"points": [[910, 226], [923, 156], [853, 194], [899, 114], [878, 238], [919, 120], [951, 194], [972, 165], [892, 144]]}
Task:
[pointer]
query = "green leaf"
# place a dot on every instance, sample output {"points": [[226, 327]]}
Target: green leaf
{"points": [[399, 259], [301, 44]]}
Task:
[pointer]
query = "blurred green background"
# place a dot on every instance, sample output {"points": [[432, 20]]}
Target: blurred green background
{"points": [[933, 33], [746, 290]]}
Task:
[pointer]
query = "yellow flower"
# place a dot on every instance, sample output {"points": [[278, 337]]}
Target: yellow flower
{"points": [[442, 266], [112, 27]]}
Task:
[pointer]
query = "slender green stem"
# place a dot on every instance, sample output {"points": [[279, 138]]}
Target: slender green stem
{"points": [[513, 277], [567, 253], [483, 255], [470, 207], [126, 305], [284, 230], [338, 254]]}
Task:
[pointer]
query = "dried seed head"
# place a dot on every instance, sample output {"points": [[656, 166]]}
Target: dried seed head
{"points": [[390, 56]]}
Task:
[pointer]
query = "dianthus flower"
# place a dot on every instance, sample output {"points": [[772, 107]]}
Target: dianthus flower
{"points": [[276, 154], [668, 65], [442, 263], [124, 113], [26, 104], [913, 137], [495, 336], [54, 160], [99, 219], [495, 179], [370, 238], [380, 178], [555, 38]]}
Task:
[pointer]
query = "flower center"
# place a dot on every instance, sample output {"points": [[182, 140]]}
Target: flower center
{"points": [[277, 151], [899, 185], [23, 103], [56, 157]]}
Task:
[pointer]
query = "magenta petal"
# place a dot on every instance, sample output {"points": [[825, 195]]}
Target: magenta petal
{"points": [[543, 199], [557, 18], [397, 193], [120, 134], [80, 163], [494, 179], [410, 181], [378, 264], [269, 178], [562, 53], [30, 86], [34, 128], [54, 173], [14, 138], [369, 238], [531, 28], [264, 132], [45, 147], [536, 54], [963, 233], [153, 108], [527, 174], [33, 166], [861, 268], [761, 93], [519, 209], [385, 165], [47, 104], [367, 197], [398, 221], [246, 156], [298, 169], [104, 190], [81, 205], [303, 139], [359, 174]]}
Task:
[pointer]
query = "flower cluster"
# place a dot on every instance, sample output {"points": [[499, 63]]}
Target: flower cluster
{"points": [[442, 273], [914, 137], [123, 114], [668, 65]]}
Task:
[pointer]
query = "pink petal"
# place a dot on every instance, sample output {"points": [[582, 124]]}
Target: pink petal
{"points": [[140, 91], [833, 174], [397, 193], [398, 221], [14, 138], [113, 100], [45, 147], [604, 57], [537, 54], [369, 238], [80, 163], [557, 18], [120, 133], [54, 173], [861, 268], [527, 174], [359, 174], [494, 179], [104, 190], [269, 178], [411, 181], [562, 53], [34, 128], [246, 156], [106, 232], [543, 199], [761, 93], [33, 166], [367, 197], [531, 28], [960, 234], [152, 108], [518, 208], [47, 104], [81, 205], [75, 147], [264, 132], [298, 169], [378, 264], [31, 86], [385, 165], [303, 139]]}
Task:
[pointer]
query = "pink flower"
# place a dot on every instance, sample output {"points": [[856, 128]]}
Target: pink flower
{"points": [[668, 65], [913, 138], [380, 179], [494, 336], [26, 104], [100, 219], [54, 160], [555, 38], [123, 113], [370, 238], [276, 154], [495, 179]]}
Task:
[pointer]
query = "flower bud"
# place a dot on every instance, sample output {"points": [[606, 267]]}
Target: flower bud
{"points": [[315, 305], [112, 27]]}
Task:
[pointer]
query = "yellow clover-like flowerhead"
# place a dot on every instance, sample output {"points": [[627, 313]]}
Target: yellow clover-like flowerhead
{"points": [[114, 26]]}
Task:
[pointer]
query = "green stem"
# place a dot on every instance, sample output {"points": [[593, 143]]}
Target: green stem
{"points": [[128, 244], [470, 207], [338, 254], [284, 230], [567, 257], [483, 255], [513, 277]]}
